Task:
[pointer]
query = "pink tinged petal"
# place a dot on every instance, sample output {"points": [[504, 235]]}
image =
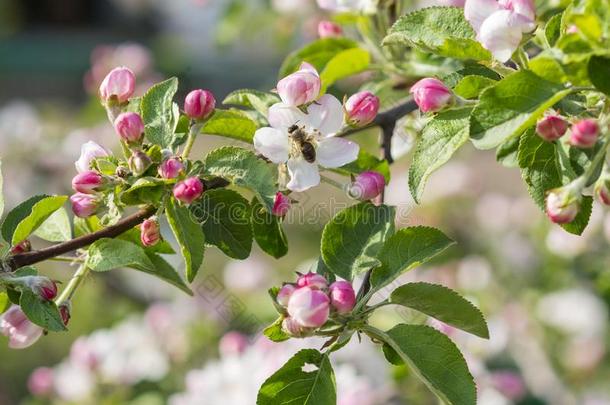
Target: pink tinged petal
{"points": [[282, 116], [310, 308], [525, 8], [501, 34], [326, 115], [476, 11], [272, 143], [336, 152], [303, 175]]}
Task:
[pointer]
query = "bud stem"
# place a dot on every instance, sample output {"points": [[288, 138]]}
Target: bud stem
{"points": [[190, 141], [75, 281]]}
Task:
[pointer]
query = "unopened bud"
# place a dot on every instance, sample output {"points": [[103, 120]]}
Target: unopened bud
{"points": [[65, 312], [295, 329], [87, 182], [329, 29], [361, 108], [300, 87], [563, 204], [312, 280], [170, 168], [139, 162], [21, 247], [84, 205], [431, 94], [308, 307], [602, 189], [42, 286], [551, 127], [129, 126], [367, 185], [89, 151], [281, 204], [188, 190], [584, 133], [342, 296], [118, 85], [150, 232], [284, 294], [199, 104]]}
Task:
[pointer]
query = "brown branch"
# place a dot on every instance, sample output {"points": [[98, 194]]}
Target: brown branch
{"points": [[386, 118]]}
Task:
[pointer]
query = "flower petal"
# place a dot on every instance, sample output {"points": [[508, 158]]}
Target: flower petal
{"points": [[272, 143], [282, 116], [501, 34], [476, 11], [326, 114], [336, 152], [303, 175]]}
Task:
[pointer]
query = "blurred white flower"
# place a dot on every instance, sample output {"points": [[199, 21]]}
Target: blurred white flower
{"points": [[246, 275], [473, 273], [575, 311]]}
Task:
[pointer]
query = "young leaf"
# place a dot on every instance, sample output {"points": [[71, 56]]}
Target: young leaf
{"points": [[274, 331], [344, 64], [225, 218], [243, 168], [441, 30], [43, 313], [317, 53], [252, 99], [39, 213], [268, 231], [146, 190], [552, 29], [406, 249], [471, 86], [353, 237], [599, 73], [443, 304], [230, 124], [5, 302], [292, 385], [511, 106], [189, 235], [436, 360], [56, 228], [440, 139], [18, 214], [159, 113]]}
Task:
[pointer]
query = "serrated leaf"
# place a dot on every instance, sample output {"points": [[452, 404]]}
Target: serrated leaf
{"points": [[189, 235], [292, 385], [230, 124], [225, 218], [441, 30], [471, 86], [159, 112], [43, 313], [406, 249], [344, 64], [317, 53], [275, 333], [599, 73], [56, 228], [443, 304], [440, 139], [39, 213], [511, 106], [252, 99], [507, 152], [353, 237], [18, 214], [437, 360], [268, 231], [243, 168]]}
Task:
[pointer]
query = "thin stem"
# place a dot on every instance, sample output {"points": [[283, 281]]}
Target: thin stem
{"points": [[68, 259], [190, 141], [332, 182], [75, 281]]}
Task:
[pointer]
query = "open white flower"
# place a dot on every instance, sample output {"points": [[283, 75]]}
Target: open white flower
{"points": [[293, 134]]}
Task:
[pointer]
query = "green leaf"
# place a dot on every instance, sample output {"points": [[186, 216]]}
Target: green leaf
{"points": [[159, 113], [275, 333], [344, 64], [5, 302], [225, 218], [292, 385], [317, 53], [443, 304], [189, 235], [552, 29], [146, 190], [440, 139], [441, 30], [18, 214], [43, 313], [546, 66], [108, 254], [511, 106], [507, 152], [268, 231], [244, 169], [252, 99], [436, 360], [230, 124], [469, 69], [406, 249], [39, 213], [56, 228], [366, 162], [471, 86], [353, 237], [599, 73]]}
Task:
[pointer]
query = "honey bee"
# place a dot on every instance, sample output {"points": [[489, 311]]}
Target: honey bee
{"points": [[303, 139]]}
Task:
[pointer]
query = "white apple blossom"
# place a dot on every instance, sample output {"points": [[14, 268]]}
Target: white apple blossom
{"points": [[500, 25], [323, 119], [342, 6]]}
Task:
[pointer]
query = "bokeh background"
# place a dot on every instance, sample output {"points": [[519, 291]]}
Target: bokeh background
{"points": [[134, 340]]}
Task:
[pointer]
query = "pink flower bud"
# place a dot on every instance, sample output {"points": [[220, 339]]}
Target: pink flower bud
{"points": [[150, 232], [328, 29], [64, 311], [89, 151], [431, 94], [139, 162], [84, 205], [342, 296], [21, 247], [188, 190], [309, 307], [87, 182], [367, 186], [551, 127], [602, 190], [199, 104], [119, 84], [300, 87], [284, 294], [584, 133], [295, 329], [312, 280], [281, 204], [171, 168], [44, 287], [233, 344], [129, 126], [20, 331], [361, 108], [562, 205], [40, 382]]}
